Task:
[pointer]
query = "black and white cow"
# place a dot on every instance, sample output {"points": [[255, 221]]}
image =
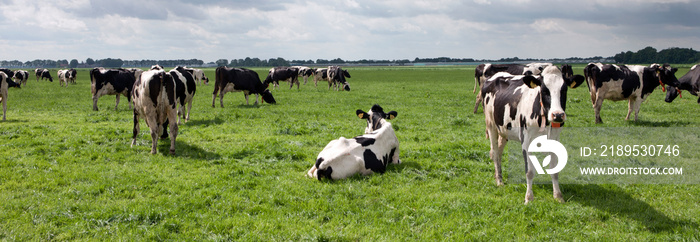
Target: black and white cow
{"points": [[633, 83], [305, 72], [111, 82], [321, 74], [5, 84], [237, 80], [66, 76], [336, 76], [689, 82], [485, 71], [186, 88], [288, 74], [43, 73], [198, 75], [21, 77], [364, 154], [522, 108], [155, 101]]}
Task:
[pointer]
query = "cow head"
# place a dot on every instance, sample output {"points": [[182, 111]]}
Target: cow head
{"points": [[267, 96], [10, 83], [666, 75], [553, 88], [375, 117]]}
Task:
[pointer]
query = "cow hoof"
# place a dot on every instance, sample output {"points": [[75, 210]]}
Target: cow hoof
{"points": [[172, 151], [499, 182], [528, 199]]}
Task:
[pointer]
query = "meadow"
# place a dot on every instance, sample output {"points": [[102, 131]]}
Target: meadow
{"points": [[239, 172]]}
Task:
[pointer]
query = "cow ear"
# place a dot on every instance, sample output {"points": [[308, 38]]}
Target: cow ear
{"points": [[532, 81], [392, 115], [575, 81], [361, 114]]}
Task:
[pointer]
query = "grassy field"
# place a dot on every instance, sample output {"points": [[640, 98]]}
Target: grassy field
{"points": [[69, 173]]}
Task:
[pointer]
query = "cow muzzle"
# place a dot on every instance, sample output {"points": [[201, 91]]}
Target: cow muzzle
{"points": [[558, 117]]}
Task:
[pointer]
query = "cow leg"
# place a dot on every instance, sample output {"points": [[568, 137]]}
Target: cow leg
{"points": [[4, 105], [173, 132], [556, 192], [189, 108], [636, 106], [116, 105], [136, 128], [246, 99], [497, 145], [395, 159], [156, 129], [221, 98], [256, 99], [477, 102], [597, 107], [213, 100], [529, 172], [94, 102]]}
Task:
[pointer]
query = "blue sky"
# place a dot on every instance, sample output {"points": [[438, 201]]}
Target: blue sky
{"points": [[347, 29]]}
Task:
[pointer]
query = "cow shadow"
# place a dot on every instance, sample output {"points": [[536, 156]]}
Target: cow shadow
{"points": [[183, 149], [205, 122], [14, 121], [613, 200]]}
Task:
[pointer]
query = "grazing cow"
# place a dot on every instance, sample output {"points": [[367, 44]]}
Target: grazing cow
{"points": [[66, 76], [305, 72], [239, 79], [337, 75], [289, 74], [111, 82], [21, 77], [5, 83], [154, 100], [364, 154], [186, 88], [632, 83], [43, 73], [689, 82], [485, 71], [321, 74], [198, 75], [522, 108]]}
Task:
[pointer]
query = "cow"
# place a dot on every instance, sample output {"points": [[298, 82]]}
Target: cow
{"points": [[321, 74], [336, 76], [155, 101], [111, 82], [689, 82], [522, 108], [186, 88], [276, 74], [305, 72], [364, 154], [485, 71], [43, 73], [5, 83], [66, 76], [240, 79], [633, 83], [156, 67], [198, 75], [21, 77]]}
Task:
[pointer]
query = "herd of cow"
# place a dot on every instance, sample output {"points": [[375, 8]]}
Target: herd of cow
{"points": [[520, 102]]}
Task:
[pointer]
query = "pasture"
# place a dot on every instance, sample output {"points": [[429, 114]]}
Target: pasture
{"points": [[239, 173]]}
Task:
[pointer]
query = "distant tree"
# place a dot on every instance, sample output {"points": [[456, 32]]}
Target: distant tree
{"points": [[221, 62], [89, 61], [73, 63]]}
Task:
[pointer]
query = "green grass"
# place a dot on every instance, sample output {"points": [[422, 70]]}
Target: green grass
{"points": [[69, 173]]}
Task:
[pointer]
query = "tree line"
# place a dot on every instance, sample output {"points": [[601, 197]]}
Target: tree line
{"points": [[649, 54]]}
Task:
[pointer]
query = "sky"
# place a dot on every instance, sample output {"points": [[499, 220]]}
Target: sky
{"points": [[348, 29]]}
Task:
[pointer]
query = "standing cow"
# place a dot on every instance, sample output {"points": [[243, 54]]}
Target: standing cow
{"points": [[336, 76], [305, 72], [620, 82], [155, 101], [364, 154], [321, 74], [522, 108], [66, 76], [277, 74], [43, 73], [237, 80], [689, 82], [186, 88], [111, 82], [5, 83], [21, 77]]}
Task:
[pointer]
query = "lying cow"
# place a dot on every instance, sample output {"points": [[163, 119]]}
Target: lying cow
{"points": [[237, 80], [620, 82], [277, 74], [689, 82], [154, 101], [522, 108], [5, 83], [186, 88], [363, 154], [336, 76], [111, 82], [485, 71], [21, 77], [43, 74]]}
